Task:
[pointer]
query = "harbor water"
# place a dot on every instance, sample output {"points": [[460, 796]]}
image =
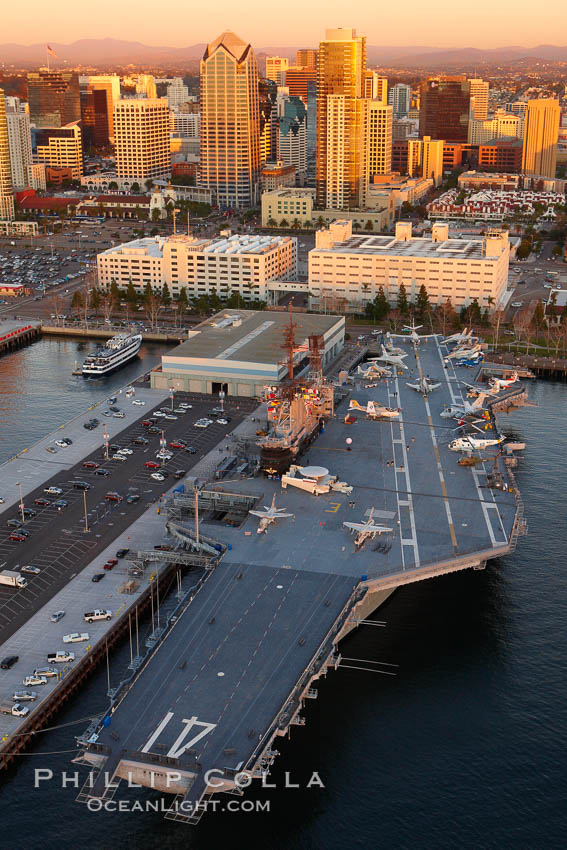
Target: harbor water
{"points": [[463, 748]]}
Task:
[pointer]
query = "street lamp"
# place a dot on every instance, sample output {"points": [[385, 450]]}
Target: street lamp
{"points": [[85, 506], [172, 395], [19, 484]]}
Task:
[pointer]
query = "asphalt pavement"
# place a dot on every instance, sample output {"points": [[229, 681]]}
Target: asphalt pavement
{"points": [[57, 543]]}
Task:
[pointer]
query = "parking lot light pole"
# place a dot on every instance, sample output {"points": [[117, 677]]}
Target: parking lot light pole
{"points": [[85, 506], [19, 484]]}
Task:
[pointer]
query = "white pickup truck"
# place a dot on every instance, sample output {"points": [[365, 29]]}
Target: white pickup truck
{"points": [[76, 637], [16, 709], [97, 614], [60, 657]]}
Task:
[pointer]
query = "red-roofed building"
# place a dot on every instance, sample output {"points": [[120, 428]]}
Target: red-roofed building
{"points": [[115, 206], [46, 206]]}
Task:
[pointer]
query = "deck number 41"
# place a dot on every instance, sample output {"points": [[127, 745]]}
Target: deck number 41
{"points": [[181, 744]]}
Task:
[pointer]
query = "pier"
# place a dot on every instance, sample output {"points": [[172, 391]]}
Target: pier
{"points": [[16, 334]]}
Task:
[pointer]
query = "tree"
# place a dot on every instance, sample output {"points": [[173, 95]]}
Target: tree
{"points": [[131, 296], [114, 290], [182, 302], [135, 188], [77, 302], [108, 304], [271, 222], [149, 184], [524, 249], [156, 215], [538, 318], [471, 315], [165, 295], [148, 291], [496, 319], [447, 315], [369, 225], [113, 185], [152, 306], [296, 224], [402, 302], [422, 305], [284, 222], [379, 308], [95, 300]]}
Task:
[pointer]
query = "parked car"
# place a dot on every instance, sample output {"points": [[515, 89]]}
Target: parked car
{"points": [[113, 496], [121, 553], [53, 491], [56, 616], [152, 464], [30, 569], [132, 497], [97, 577], [41, 501], [35, 679], [91, 464], [9, 661]]}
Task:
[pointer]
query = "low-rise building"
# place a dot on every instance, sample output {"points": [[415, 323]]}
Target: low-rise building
{"points": [[240, 352], [237, 264], [397, 188], [291, 206], [116, 206], [490, 205], [275, 175], [345, 271]]}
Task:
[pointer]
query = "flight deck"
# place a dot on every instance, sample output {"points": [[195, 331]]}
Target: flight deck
{"points": [[235, 669]]}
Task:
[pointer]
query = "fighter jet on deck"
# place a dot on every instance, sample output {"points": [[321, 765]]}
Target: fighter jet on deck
{"points": [[365, 530], [269, 515], [374, 410], [423, 386], [391, 359]]}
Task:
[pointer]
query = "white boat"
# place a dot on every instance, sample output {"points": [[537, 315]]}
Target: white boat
{"points": [[115, 353]]}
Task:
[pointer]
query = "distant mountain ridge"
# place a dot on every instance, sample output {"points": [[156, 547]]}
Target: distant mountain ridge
{"points": [[108, 51]]}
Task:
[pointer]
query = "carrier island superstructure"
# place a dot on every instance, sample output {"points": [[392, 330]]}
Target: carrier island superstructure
{"points": [[281, 586]]}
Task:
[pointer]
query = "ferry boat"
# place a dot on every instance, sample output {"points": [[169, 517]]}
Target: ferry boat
{"points": [[114, 354]]}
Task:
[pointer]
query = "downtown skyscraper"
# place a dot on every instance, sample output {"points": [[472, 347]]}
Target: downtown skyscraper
{"points": [[6, 192], [342, 115], [541, 131], [230, 122]]}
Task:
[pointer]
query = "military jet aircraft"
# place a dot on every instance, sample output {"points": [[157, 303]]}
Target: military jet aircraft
{"points": [[374, 410], [269, 515], [365, 530]]}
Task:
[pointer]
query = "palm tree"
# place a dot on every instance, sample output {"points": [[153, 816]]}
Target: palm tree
{"points": [[320, 221], [271, 222], [296, 224], [284, 222]]}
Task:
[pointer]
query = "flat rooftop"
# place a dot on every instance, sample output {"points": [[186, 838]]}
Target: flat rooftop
{"points": [[237, 244], [389, 246], [257, 339]]}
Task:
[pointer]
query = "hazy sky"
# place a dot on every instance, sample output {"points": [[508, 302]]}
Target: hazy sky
{"points": [[440, 23]]}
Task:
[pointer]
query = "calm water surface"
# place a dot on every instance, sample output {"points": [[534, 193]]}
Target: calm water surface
{"points": [[465, 748]]}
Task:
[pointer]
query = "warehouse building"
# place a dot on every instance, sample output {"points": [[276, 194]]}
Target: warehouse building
{"points": [[241, 351]]}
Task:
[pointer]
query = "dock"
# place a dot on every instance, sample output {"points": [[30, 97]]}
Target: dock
{"points": [[17, 333]]}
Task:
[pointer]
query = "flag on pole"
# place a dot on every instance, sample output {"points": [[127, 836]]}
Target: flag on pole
{"points": [[51, 52]]}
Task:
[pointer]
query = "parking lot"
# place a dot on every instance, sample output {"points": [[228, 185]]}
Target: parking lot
{"points": [[57, 543]]}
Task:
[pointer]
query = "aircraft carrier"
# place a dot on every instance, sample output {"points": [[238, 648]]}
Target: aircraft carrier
{"points": [[233, 671]]}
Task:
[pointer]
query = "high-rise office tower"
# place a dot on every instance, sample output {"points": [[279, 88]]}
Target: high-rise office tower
{"points": [[146, 86], [95, 122], [306, 57], [141, 138], [445, 107], [276, 66], [297, 80], [375, 87], [60, 147], [340, 166], [399, 98], [110, 84], [6, 192], [19, 142], [479, 99], [54, 98], [541, 132], [292, 134], [230, 121], [177, 92], [425, 158], [379, 138], [267, 104]]}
